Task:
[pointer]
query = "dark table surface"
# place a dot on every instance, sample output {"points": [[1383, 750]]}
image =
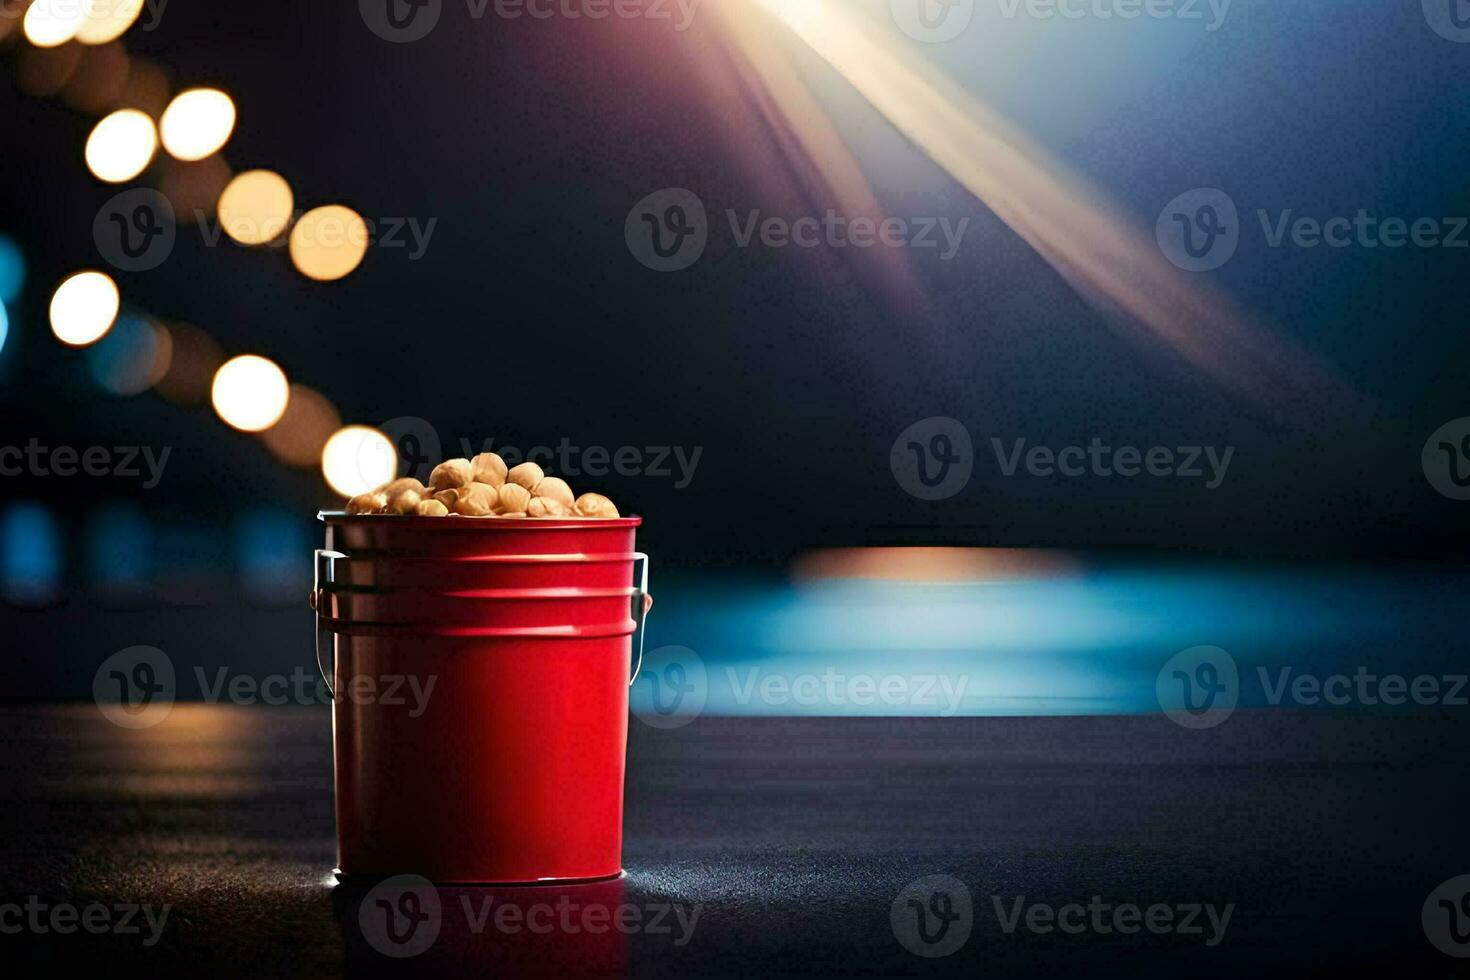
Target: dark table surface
{"points": [[790, 839]]}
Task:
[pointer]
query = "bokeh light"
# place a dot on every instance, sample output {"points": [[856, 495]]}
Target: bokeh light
{"points": [[197, 123], [4, 326], [148, 86], [133, 356], [99, 80], [256, 207], [195, 358], [83, 308], [45, 71], [328, 242], [108, 20], [309, 422], [358, 458], [49, 23], [30, 554], [250, 392], [12, 269], [193, 188], [121, 145]]}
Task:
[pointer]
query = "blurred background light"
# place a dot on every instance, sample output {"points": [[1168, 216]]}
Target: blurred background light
{"points": [[121, 145], [45, 71], [328, 242], [4, 326], [100, 79], [107, 20], [30, 555], [133, 356], [250, 392], [196, 123], [934, 564], [194, 359], [83, 308], [12, 269], [120, 551], [49, 23], [357, 459], [256, 207], [302, 433], [147, 87], [268, 548], [193, 188]]}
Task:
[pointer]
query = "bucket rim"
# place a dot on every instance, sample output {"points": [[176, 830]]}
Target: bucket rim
{"points": [[380, 557], [460, 522]]}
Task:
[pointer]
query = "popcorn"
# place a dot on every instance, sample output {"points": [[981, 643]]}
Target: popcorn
{"points": [[483, 487]]}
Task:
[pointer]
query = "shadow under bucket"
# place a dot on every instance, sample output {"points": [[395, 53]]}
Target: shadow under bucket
{"points": [[480, 671]]}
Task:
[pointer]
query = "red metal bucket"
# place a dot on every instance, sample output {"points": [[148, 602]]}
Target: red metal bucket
{"points": [[509, 646]]}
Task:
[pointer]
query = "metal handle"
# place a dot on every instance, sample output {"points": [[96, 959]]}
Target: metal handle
{"points": [[324, 574], [642, 602], [325, 649]]}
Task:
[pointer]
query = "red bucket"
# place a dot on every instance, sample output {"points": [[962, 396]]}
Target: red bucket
{"points": [[508, 646]]}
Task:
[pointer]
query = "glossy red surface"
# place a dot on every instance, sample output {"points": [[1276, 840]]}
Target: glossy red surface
{"points": [[499, 754]]}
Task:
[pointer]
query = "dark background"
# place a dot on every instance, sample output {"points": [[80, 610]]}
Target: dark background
{"points": [[527, 320]]}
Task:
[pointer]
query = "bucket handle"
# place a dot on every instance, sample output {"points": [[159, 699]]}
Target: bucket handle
{"points": [[324, 573]]}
